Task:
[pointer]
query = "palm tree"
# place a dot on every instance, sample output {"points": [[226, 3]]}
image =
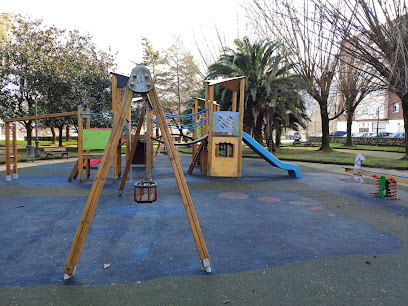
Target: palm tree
{"points": [[267, 79]]}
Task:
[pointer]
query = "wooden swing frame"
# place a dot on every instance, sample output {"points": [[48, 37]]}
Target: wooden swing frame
{"points": [[140, 82]]}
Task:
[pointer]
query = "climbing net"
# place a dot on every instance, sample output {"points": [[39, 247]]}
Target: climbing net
{"points": [[188, 117]]}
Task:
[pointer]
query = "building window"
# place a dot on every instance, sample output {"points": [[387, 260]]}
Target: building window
{"points": [[395, 107]]}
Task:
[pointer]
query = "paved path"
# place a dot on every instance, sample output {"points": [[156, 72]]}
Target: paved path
{"points": [[38, 162], [374, 153]]}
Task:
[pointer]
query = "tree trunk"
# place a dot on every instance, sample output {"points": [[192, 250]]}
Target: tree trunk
{"points": [[275, 127], [67, 135], [60, 130], [54, 136], [349, 140], [29, 130], [278, 137], [258, 128], [325, 127], [248, 122], [404, 100], [267, 126]]}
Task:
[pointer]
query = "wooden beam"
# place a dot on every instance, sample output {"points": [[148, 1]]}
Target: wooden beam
{"points": [[241, 123], [80, 144], [180, 179], [93, 198], [234, 101], [8, 161], [210, 91], [131, 153], [88, 126], [149, 141], [97, 188], [396, 177], [40, 117], [74, 172], [196, 156], [15, 175]]}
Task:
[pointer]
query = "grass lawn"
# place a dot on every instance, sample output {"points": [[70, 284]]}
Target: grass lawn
{"points": [[340, 158], [21, 148], [311, 154], [71, 146], [287, 152], [355, 147]]}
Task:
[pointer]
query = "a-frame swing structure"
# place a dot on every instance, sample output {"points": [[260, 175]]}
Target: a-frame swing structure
{"points": [[140, 82]]}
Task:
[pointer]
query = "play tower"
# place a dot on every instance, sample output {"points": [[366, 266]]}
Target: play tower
{"points": [[225, 130]]}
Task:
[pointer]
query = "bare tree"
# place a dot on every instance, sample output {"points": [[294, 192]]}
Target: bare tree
{"points": [[182, 75], [311, 39], [355, 83], [375, 32]]}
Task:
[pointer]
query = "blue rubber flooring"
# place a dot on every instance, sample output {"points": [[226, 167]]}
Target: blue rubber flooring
{"points": [[263, 219]]}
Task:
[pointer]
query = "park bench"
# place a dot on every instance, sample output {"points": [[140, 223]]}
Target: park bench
{"points": [[299, 142], [385, 184], [59, 150]]}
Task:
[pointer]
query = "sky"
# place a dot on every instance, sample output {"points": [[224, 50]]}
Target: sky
{"points": [[122, 24]]}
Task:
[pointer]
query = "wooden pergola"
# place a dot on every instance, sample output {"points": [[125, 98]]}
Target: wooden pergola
{"points": [[8, 121]]}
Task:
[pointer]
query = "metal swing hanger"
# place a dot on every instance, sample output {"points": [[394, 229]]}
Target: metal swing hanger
{"points": [[146, 190]]}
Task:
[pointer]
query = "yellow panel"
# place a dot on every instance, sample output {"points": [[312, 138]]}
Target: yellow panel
{"points": [[225, 166]]}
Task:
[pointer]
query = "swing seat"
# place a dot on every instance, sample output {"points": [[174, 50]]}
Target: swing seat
{"points": [[145, 192]]}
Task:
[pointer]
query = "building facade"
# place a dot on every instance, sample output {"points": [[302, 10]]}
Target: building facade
{"points": [[382, 110]]}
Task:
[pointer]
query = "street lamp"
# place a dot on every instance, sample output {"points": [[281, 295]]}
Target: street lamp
{"points": [[378, 123], [34, 96]]}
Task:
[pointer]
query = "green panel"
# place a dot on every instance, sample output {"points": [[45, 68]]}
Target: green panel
{"points": [[198, 132], [95, 138]]}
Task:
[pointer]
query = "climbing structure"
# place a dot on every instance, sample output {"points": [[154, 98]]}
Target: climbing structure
{"points": [[222, 156], [225, 130]]}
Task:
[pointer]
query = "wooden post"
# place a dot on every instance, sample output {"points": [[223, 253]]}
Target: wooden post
{"points": [[194, 109], [114, 111], [234, 101], [149, 142], [97, 186], [210, 124], [206, 105], [40, 117], [15, 175], [80, 145], [129, 141], [131, 153], [196, 156], [8, 162], [88, 126], [205, 131], [241, 121], [74, 172], [180, 179]]}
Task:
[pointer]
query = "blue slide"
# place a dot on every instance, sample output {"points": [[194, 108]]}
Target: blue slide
{"points": [[293, 170]]}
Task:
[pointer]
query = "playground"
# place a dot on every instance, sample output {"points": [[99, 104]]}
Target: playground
{"points": [[314, 239], [264, 230]]}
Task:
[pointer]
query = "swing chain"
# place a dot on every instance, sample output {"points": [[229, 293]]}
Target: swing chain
{"points": [[147, 143]]}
